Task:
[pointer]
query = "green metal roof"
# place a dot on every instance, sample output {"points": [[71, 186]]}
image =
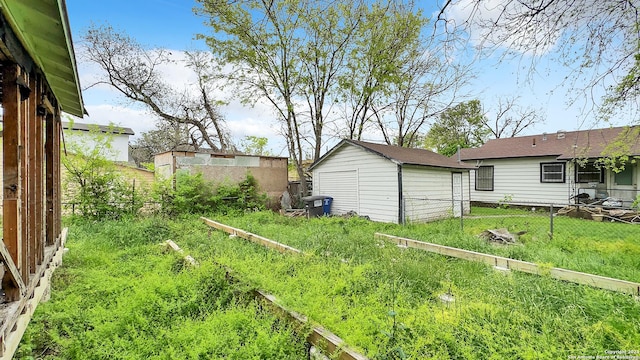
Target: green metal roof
{"points": [[42, 26]]}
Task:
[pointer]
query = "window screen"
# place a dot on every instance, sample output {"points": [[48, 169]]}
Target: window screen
{"points": [[484, 178], [589, 173], [552, 172]]}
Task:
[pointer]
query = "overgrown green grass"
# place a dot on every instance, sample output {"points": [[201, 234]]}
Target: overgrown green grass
{"points": [[385, 300], [118, 295]]}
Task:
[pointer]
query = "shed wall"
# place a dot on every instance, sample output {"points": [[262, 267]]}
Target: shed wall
{"points": [[376, 186], [428, 193]]}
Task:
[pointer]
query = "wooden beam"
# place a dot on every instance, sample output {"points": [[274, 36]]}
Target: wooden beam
{"points": [[188, 258], [32, 168], [24, 179], [50, 234], [40, 178], [11, 278], [320, 337], [12, 170], [15, 323], [577, 277], [283, 248], [57, 195]]}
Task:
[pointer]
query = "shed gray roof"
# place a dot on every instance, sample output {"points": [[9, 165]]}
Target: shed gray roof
{"points": [[399, 155], [564, 145], [103, 128]]}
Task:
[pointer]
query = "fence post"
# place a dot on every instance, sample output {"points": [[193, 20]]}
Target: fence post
{"points": [[404, 209], [551, 221], [461, 214], [133, 197]]}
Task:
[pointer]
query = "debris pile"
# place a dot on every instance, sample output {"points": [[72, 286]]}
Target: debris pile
{"points": [[500, 236], [599, 213]]}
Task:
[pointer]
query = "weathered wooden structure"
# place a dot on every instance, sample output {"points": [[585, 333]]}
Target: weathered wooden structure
{"points": [[39, 80]]}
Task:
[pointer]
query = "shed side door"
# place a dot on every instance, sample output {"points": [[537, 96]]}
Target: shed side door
{"points": [[342, 186], [456, 182]]}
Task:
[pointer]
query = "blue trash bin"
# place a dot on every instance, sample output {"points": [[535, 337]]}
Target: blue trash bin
{"points": [[326, 205]]}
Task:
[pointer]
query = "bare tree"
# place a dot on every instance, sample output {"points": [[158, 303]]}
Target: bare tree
{"points": [[428, 86], [390, 32], [510, 119], [165, 137], [136, 73], [597, 41]]}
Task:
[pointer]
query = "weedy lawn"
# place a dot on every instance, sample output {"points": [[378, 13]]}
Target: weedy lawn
{"points": [[386, 300], [119, 296]]}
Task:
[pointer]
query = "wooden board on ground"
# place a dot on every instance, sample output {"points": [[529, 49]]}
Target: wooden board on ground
{"points": [[597, 281], [283, 248]]}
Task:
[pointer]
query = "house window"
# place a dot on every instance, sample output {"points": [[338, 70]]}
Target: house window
{"points": [[625, 177], [484, 178], [552, 172], [589, 173]]}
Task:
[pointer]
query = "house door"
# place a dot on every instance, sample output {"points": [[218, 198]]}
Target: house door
{"points": [[456, 191]]}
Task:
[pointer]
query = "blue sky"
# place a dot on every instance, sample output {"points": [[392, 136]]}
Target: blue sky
{"points": [[173, 25]]}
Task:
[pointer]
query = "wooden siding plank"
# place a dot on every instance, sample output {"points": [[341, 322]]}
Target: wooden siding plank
{"points": [[577, 277]]}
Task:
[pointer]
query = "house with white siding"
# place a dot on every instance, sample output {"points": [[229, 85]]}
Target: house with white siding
{"points": [[86, 136], [556, 168], [391, 183]]}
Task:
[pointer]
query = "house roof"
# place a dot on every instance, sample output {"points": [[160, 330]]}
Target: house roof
{"points": [[104, 129], [42, 27], [564, 145], [399, 155]]}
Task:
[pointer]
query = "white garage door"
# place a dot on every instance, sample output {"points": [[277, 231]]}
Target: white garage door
{"points": [[342, 186]]}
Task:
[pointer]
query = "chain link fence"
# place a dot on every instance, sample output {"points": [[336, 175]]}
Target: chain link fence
{"points": [[537, 220]]}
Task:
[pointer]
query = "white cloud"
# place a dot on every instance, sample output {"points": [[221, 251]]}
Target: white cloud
{"points": [[496, 23]]}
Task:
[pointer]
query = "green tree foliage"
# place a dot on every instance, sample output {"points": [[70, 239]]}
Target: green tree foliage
{"points": [[94, 185], [462, 125], [255, 145], [193, 194], [304, 56]]}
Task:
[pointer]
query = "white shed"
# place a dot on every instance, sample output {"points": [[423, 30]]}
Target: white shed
{"points": [[391, 183]]}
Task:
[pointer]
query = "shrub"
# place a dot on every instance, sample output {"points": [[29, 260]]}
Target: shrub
{"points": [[93, 183], [192, 194]]}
